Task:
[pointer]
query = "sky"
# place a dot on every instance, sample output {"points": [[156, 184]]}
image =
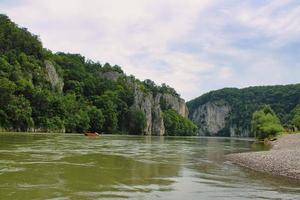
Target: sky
{"points": [[194, 46]]}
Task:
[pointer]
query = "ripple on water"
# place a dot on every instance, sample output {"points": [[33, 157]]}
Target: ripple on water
{"points": [[73, 167], [11, 169]]}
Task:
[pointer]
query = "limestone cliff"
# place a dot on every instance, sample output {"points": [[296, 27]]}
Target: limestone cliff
{"points": [[55, 80], [175, 103], [213, 119], [151, 105]]}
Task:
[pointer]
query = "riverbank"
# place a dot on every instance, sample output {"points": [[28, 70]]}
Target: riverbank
{"points": [[283, 159]]}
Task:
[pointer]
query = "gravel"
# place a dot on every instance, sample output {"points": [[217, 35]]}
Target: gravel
{"points": [[283, 159]]}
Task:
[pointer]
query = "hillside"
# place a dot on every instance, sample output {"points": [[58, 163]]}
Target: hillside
{"points": [[61, 92], [228, 112]]}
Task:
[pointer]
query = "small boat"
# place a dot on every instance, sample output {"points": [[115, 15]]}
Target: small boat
{"points": [[92, 134]]}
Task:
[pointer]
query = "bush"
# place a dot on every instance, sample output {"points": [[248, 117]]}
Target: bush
{"points": [[265, 123], [176, 125], [137, 121]]}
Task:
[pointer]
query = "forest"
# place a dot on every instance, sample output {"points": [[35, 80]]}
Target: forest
{"points": [[80, 95], [283, 99]]}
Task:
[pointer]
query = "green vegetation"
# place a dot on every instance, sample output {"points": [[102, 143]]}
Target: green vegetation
{"points": [[137, 121], [244, 102], [295, 119], [265, 123], [176, 125], [88, 97]]}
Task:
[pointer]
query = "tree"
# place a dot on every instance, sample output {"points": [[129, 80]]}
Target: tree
{"points": [[137, 121], [19, 114], [295, 122], [54, 124], [265, 123], [109, 109], [96, 119], [175, 124], [77, 122]]}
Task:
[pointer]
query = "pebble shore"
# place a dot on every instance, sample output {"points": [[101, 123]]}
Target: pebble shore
{"points": [[283, 159]]}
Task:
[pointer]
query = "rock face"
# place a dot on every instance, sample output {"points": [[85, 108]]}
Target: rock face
{"points": [[211, 117], [56, 82], [151, 106], [176, 103], [111, 75]]}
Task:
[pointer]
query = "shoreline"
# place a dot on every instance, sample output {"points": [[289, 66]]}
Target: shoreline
{"points": [[130, 135], [283, 159]]}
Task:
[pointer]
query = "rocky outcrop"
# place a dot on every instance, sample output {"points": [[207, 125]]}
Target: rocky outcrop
{"points": [[211, 117], [175, 103], [151, 106], [111, 75], [55, 80]]}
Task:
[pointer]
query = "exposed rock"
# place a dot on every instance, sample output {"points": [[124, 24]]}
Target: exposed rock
{"points": [[176, 103], [151, 106], [144, 102], [211, 117], [112, 75], [158, 127], [55, 80]]}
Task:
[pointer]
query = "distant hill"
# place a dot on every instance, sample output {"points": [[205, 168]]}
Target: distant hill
{"points": [[228, 112]]}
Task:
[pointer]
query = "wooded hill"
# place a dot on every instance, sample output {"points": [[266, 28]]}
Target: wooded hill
{"points": [[59, 92], [242, 103]]}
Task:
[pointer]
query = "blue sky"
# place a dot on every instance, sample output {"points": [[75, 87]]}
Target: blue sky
{"points": [[194, 45]]}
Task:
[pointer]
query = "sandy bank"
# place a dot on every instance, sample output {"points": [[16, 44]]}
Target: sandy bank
{"points": [[283, 159]]}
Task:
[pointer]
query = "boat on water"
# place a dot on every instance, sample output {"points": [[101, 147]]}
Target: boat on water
{"points": [[92, 134]]}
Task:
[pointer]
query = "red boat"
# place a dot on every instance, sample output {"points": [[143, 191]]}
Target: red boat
{"points": [[92, 134]]}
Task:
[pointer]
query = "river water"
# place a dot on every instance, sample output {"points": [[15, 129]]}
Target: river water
{"points": [[131, 167]]}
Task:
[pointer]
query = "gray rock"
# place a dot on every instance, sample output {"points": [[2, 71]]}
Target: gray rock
{"points": [[211, 117], [55, 80], [151, 106], [176, 103], [112, 75], [214, 117]]}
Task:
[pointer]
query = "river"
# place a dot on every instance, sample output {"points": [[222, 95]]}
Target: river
{"points": [[63, 167]]}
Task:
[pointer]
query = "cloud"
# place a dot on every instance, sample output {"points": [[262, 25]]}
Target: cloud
{"points": [[194, 46]]}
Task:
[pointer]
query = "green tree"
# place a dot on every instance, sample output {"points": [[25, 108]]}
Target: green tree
{"points": [[137, 121], [19, 114], [295, 122], [177, 125], [54, 124], [265, 123], [109, 109], [78, 122], [96, 119]]}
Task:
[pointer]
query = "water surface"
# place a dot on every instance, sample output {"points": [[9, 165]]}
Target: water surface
{"points": [[62, 167]]}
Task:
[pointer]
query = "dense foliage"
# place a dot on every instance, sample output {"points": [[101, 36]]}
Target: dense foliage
{"points": [[244, 102], [176, 125], [265, 123], [295, 119], [89, 96]]}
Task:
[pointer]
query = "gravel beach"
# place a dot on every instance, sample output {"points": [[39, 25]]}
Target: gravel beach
{"points": [[283, 159]]}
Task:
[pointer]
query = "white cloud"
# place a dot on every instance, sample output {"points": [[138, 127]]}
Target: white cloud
{"points": [[140, 36]]}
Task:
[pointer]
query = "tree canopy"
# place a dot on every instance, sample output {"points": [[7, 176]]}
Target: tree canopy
{"points": [[265, 123], [244, 102], [93, 97], [176, 125]]}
